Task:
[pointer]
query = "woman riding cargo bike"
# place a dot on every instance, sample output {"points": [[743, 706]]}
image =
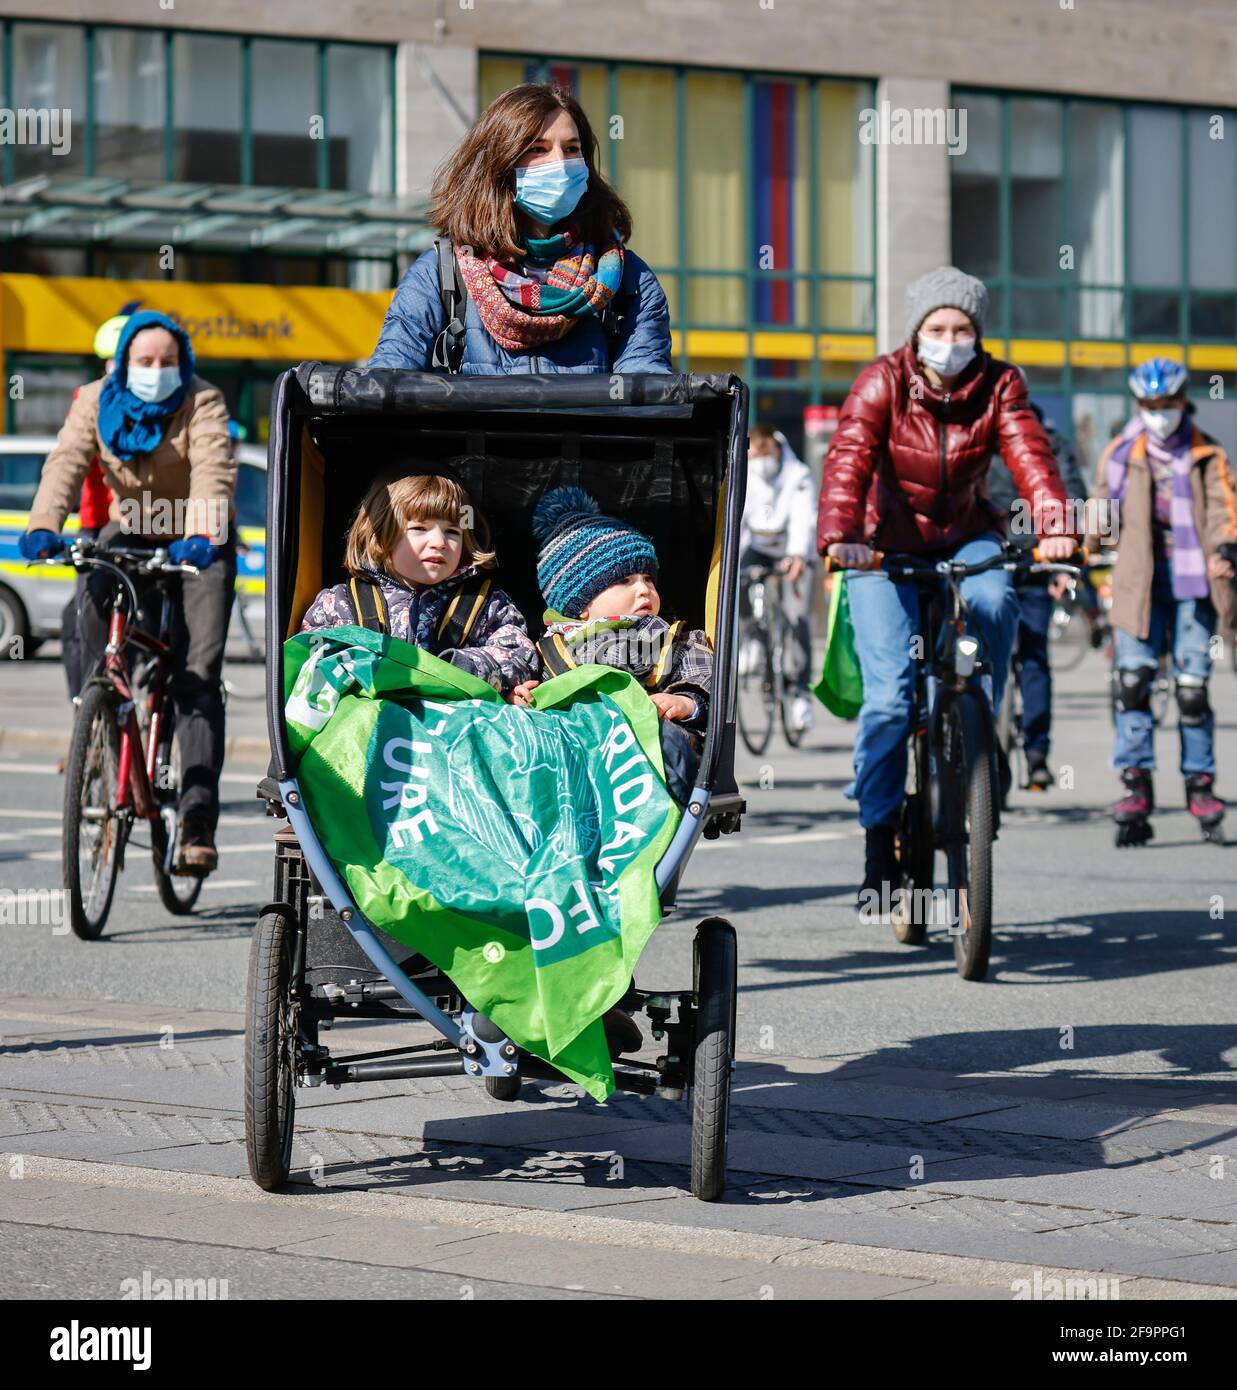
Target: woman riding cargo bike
{"points": [[905, 477]]}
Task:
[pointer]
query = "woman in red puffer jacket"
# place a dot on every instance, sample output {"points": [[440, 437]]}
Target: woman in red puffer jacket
{"points": [[907, 473]]}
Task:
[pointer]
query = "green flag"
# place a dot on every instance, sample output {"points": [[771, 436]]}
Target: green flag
{"points": [[514, 848], [840, 688]]}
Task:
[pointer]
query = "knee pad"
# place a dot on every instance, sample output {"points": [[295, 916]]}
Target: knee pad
{"points": [[1193, 706], [1134, 689]]}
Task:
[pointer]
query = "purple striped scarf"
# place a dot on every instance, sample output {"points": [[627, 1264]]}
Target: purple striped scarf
{"points": [[1188, 561]]}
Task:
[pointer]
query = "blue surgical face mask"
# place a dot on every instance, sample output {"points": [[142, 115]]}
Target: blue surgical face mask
{"points": [[153, 383], [549, 192]]}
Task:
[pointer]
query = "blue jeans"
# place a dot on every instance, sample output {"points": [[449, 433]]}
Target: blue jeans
{"points": [[680, 760], [886, 620], [1185, 627], [1034, 673]]}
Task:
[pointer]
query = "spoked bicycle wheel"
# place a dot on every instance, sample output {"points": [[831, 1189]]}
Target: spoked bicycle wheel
{"points": [[177, 892], [270, 1051], [757, 689], [716, 986], [94, 831], [916, 851], [791, 658], [1069, 634], [969, 795]]}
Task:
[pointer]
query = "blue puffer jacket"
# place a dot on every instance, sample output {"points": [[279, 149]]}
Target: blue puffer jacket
{"points": [[415, 318]]}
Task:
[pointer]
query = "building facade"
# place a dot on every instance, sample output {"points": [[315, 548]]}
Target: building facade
{"points": [[790, 165]]}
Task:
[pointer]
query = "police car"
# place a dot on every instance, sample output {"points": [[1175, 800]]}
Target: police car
{"points": [[32, 599]]}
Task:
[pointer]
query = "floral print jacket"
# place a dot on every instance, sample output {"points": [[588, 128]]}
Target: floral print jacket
{"points": [[499, 651]]}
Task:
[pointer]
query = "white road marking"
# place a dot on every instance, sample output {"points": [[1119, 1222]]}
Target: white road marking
{"points": [[28, 815]]}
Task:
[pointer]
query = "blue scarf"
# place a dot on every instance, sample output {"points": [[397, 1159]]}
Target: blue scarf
{"points": [[128, 425]]}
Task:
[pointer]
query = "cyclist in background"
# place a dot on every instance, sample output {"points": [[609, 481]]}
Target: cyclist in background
{"points": [[1030, 658], [161, 435], [906, 472], [779, 517], [1176, 509]]}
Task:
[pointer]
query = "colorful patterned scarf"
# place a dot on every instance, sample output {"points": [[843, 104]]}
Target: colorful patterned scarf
{"points": [[1189, 564], [522, 309]]}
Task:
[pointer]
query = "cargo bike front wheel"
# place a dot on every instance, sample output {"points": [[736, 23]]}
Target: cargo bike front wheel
{"points": [[716, 990]]}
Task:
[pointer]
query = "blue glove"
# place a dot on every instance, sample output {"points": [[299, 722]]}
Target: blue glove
{"points": [[193, 550], [34, 542]]}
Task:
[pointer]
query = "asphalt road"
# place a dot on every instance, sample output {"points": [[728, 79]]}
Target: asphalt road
{"points": [[1109, 1007]]}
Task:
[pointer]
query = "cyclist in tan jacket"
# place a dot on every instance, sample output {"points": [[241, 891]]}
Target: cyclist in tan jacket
{"points": [[161, 436]]}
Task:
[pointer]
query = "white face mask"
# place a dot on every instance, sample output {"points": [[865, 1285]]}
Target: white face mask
{"points": [[946, 359], [765, 465], [153, 383], [1162, 423]]}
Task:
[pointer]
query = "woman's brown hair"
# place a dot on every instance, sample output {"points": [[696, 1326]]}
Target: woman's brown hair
{"points": [[474, 191], [391, 505]]}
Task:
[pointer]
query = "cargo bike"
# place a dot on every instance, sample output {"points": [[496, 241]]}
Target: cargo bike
{"points": [[668, 454]]}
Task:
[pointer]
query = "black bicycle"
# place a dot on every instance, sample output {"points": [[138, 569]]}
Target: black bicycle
{"points": [[768, 654], [953, 796]]}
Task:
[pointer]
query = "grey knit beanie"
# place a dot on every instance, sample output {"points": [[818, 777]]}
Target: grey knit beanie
{"points": [[945, 288]]}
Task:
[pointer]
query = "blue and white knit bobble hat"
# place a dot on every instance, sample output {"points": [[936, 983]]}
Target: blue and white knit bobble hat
{"points": [[583, 552]]}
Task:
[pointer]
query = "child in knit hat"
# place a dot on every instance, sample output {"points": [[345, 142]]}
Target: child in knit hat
{"points": [[599, 578]]}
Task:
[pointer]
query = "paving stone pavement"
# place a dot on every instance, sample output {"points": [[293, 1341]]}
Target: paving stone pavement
{"points": [[820, 1156]]}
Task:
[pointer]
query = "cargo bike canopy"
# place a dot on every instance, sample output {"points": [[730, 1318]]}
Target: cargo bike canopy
{"points": [[666, 453]]}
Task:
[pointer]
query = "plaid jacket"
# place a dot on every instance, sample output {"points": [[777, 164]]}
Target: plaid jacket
{"points": [[638, 646]]}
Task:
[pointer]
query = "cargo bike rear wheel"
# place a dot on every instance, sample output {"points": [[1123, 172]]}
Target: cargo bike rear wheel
{"points": [[271, 1037]]}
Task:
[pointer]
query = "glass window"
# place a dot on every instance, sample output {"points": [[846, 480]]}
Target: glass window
{"points": [[843, 180], [1038, 313], [1097, 202], [717, 301], [49, 83], [1156, 199], [716, 208], [497, 76], [207, 78], [1097, 314], [1213, 201], [846, 307], [1213, 316], [975, 190], [360, 119], [646, 162], [129, 90], [1215, 400], [19, 480], [288, 120], [1155, 314], [1035, 188]]}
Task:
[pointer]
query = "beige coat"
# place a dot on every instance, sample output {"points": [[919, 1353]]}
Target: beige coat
{"points": [[183, 487], [1215, 520]]}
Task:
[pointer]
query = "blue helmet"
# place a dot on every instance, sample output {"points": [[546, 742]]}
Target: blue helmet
{"points": [[1160, 376]]}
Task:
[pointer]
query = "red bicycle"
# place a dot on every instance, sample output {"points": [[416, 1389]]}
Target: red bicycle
{"points": [[124, 762]]}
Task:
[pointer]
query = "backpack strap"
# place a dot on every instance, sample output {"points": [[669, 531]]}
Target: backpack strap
{"points": [[554, 654], [462, 613], [370, 605], [663, 661], [449, 345]]}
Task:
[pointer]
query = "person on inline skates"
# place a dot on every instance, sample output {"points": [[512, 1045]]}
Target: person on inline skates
{"points": [[1172, 518]]}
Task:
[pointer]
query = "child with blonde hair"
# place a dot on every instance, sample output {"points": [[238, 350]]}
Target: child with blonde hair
{"points": [[416, 559]]}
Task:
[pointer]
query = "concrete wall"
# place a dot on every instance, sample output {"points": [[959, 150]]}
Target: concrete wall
{"points": [[1183, 52], [436, 86], [912, 207]]}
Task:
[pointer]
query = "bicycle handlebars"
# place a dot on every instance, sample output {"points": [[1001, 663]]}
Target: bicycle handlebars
{"points": [[1010, 558], [86, 554]]}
